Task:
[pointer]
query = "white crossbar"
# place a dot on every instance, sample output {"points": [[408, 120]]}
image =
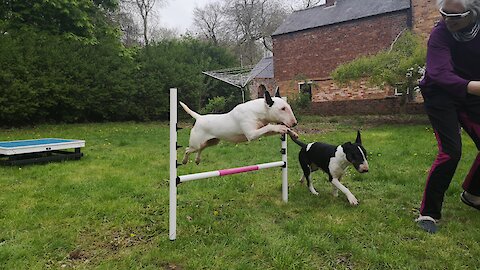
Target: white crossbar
{"points": [[175, 180]]}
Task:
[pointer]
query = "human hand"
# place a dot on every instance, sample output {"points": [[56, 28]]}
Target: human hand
{"points": [[474, 88]]}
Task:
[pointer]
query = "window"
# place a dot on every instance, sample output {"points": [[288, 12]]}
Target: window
{"points": [[305, 88], [261, 91], [400, 93]]}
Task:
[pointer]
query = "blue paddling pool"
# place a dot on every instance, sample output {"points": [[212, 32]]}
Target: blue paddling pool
{"points": [[39, 150]]}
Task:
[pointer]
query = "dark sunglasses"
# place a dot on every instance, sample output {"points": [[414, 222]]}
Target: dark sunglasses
{"points": [[454, 15]]}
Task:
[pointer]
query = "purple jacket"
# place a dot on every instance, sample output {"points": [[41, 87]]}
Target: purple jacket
{"points": [[451, 65]]}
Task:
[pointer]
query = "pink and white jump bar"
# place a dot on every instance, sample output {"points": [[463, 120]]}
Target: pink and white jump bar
{"points": [[197, 176], [175, 179]]}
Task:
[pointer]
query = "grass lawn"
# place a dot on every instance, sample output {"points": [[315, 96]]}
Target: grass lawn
{"points": [[110, 209]]}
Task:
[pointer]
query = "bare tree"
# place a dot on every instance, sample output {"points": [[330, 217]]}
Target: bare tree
{"points": [[130, 30], [143, 11], [245, 26], [275, 18], [209, 21], [144, 8], [162, 33], [253, 22], [303, 4]]}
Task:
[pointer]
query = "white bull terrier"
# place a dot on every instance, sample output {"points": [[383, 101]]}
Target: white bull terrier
{"points": [[246, 122]]}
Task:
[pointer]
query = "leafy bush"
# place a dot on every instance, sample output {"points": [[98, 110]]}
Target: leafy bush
{"points": [[388, 67], [62, 61], [50, 78], [82, 20], [178, 63], [215, 105], [300, 102]]}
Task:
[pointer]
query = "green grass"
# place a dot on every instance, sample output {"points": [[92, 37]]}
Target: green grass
{"points": [[110, 209]]}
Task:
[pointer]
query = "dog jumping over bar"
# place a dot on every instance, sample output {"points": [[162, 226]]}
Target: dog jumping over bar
{"points": [[246, 122], [333, 160]]}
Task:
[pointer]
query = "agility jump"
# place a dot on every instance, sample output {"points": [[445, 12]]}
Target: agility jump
{"points": [[175, 179]]}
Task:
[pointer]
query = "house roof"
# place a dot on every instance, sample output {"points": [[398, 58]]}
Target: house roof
{"points": [[263, 69], [342, 11]]}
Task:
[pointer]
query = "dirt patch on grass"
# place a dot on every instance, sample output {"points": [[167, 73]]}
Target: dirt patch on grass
{"points": [[74, 259], [313, 130], [120, 240], [314, 124], [77, 254], [172, 266], [344, 260], [107, 243], [322, 125]]}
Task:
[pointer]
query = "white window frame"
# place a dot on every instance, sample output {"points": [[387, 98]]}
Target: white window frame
{"points": [[311, 88], [399, 94], [302, 83]]}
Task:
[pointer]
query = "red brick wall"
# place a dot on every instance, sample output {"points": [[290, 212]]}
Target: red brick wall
{"points": [[315, 53], [365, 107], [328, 90], [425, 14], [270, 85]]}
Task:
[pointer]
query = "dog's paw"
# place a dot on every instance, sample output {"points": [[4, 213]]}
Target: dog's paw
{"points": [[313, 191], [292, 133], [282, 129], [352, 200]]}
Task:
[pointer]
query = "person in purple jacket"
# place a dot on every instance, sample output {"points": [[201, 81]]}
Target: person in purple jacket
{"points": [[451, 90]]}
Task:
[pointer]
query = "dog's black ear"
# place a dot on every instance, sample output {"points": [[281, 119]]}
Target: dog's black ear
{"points": [[277, 92], [359, 138], [268, 99], [347, 146]]}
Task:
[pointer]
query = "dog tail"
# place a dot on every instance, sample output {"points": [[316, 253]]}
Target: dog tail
{"points": [[192, 113], [297, 141]]}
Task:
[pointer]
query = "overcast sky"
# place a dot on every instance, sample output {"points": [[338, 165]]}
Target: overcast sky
{"points": [[178, 14]]}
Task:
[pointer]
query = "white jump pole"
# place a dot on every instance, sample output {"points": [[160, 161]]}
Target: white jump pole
{"points": [[284, 169], [175, 179], [173, 164]]}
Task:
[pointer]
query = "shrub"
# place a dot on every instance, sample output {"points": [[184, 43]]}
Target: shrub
{"points": [[300, 102], [50, 78], [215, 105], [397, 67]]}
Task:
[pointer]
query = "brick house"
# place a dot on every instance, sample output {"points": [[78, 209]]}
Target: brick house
{"points": [[264, 80], [311, 43]]}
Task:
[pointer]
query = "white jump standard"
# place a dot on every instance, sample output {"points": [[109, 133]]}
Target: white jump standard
{"points": [[176, 179]]}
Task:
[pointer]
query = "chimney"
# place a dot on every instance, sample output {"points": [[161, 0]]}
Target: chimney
{"points": [[329, 3]]}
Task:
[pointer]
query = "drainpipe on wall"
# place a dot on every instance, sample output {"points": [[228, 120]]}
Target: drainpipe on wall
{"points": [[410, 16]]}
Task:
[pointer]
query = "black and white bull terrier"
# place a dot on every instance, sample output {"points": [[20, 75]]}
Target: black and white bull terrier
{"points": [[246, 122], [333, 160]]}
